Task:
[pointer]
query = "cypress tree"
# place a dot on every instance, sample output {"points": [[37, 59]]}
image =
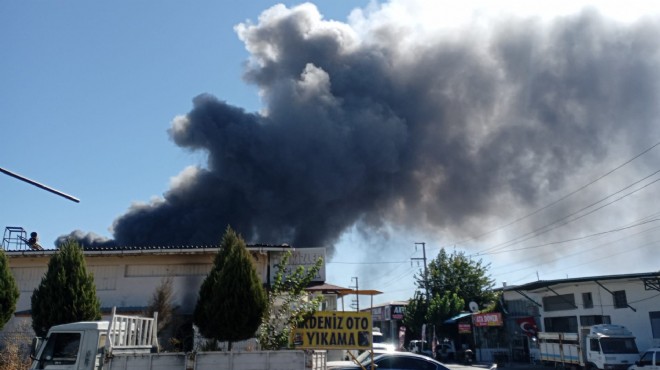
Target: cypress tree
{"points": [[67, 292], [232, 300], [8, 291]]}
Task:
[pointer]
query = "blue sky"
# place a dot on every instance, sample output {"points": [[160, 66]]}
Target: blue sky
{"points": [[89, 90]]}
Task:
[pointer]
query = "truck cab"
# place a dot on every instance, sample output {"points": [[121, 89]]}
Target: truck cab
{"points": [[610, 345], [86, 345]]}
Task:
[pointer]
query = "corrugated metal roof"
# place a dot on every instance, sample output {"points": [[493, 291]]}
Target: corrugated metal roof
{"points": [[166, 249], [548, 283]]}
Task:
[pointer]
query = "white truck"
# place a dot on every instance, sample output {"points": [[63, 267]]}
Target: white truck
{"points": [[128, 343], [603, 346]]}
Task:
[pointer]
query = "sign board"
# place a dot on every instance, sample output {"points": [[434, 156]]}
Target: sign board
{"points": [[335, 330], [464, 328], [397, 312], [305, 257], [487, 319]]}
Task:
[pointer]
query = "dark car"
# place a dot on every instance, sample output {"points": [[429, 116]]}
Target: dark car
{"points": [[400, 361]]}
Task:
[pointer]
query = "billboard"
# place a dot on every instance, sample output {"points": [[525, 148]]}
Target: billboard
{"points": [[305, 257], [487, 319], [334, 330]]}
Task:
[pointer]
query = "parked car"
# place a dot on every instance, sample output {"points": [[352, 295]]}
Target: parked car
{"points": [[364, 357], [649, 360], [420, 347], [397, 361]]}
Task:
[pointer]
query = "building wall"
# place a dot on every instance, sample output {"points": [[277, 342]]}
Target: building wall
{"points": [[129, 281], [639, 322]]}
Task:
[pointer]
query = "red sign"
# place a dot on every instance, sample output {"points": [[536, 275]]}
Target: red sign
{"points": [[464, 328], [487, 319]]}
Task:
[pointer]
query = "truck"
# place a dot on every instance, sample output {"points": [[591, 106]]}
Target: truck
{"points": [[603, 346], [130, 342]]}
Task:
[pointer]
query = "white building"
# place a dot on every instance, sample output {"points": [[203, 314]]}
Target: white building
{"points": [[565, 305]]}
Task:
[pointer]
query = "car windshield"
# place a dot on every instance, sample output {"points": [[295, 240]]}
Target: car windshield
{"points": [[618, 345]]}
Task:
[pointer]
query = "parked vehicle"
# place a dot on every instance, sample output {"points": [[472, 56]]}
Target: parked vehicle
{"points": [[445, 350], [603, 346], [399, 361], [128, 342], [363, 358], [649, 360]]}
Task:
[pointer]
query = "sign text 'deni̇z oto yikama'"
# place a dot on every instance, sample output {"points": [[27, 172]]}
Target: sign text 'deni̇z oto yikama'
{"points": [[335, 330]]}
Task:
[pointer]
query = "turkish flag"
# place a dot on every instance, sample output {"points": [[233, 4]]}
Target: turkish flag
{"points": [[528, 326]]}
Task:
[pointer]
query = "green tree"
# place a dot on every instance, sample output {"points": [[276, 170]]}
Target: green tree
{"points": [[289, 304], [444, 306], [453, 281], [8, 291], [66, 293], [458, 273], [415, 314], [232, 300]]}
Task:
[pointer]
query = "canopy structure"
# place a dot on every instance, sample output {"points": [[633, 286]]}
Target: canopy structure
{"points": [[341, 292], [453, 320]]}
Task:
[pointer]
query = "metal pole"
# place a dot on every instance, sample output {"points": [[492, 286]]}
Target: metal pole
{"points": [[22, 178]]}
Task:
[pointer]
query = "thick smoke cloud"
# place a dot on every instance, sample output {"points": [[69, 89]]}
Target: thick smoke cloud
{"points": [[386, 124]]}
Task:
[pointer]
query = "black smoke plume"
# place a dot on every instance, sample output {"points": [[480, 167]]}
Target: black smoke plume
{"points": [[388, 126]]}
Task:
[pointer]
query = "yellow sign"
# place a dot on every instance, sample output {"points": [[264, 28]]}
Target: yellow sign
{"points": [[335, 330]]}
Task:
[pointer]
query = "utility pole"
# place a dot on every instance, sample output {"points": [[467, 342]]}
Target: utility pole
{"points": [[426, 276], [357, 296]]}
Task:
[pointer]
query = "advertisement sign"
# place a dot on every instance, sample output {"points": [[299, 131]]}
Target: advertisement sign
{"points": [[487, 319], [397, 312], [334, 330], [305, 257], [464, 328]]}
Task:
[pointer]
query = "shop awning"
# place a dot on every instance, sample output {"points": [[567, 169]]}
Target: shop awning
{"points": [[454, 319]]}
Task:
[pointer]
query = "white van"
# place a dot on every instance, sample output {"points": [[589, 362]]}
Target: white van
{"points": [[650, 360]]}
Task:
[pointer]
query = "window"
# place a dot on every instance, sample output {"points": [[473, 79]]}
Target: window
{"points": [[593, 345], [618, 345], [587, 300], [620, 300], [559, 302], [590, 320], [646, 359], [655, 323], [561, 324], [61, 349]]}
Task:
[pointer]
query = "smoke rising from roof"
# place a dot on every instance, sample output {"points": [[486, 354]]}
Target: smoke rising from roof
{"points": [[378, 122]]}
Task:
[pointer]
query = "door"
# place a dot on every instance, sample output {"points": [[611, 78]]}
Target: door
{"points": [[648, 362]]}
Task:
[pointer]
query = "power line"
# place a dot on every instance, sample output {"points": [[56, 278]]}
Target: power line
{"points": [[563, 197], [557, 223]]}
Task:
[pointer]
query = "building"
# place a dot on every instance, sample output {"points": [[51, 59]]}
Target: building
{"points": [[388, 317], [127, 277], [565, 305]]}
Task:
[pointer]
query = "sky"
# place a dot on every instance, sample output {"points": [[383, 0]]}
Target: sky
{"points": [[523, 135]]}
